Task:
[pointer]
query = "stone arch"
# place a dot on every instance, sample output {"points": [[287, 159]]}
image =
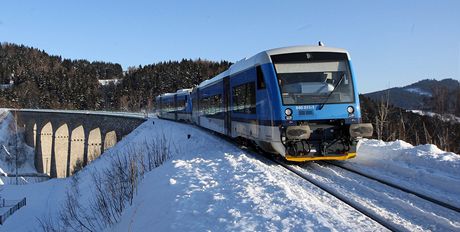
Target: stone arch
{"points": [[46, 139], [61, 148], [94, 144], [110, 140], [77, 147]]}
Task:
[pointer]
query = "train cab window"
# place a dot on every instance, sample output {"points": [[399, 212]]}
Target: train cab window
{"points": [[244, 98], [314, 78], [260, 78]]}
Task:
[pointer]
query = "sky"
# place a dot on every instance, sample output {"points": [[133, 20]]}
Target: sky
{"points": [[392, 43]]}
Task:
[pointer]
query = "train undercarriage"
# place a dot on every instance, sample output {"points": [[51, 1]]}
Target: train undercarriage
{"points": [[330, 140]]}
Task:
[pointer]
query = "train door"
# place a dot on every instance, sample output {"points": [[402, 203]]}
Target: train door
{"points": [[197, 111], [175, 107], [227, 109]]}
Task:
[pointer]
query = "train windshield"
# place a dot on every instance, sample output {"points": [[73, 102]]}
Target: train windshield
{"points": [[315, 82]]}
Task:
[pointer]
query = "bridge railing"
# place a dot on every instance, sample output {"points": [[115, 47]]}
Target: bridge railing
{"points": [[13, 206], [23, 180]]}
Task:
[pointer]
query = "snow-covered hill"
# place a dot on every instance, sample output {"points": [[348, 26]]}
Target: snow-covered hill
{"points": [[416, 96], [209, 184]]}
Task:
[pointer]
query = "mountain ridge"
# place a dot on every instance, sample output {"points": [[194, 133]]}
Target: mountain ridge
{"points": [[427, 95]]}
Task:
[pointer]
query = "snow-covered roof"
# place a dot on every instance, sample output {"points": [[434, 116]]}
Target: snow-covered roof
{"points": [[183, 91], [264, 57], [166, 94]]}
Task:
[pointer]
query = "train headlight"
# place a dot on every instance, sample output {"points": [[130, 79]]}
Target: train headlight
{"points": [[350, 109], [288, 112]]}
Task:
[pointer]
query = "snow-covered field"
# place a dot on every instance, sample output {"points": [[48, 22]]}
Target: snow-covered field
{"points": [[211, 185]]}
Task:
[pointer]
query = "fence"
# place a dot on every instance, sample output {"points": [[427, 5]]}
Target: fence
{"points": [[15, 205]]}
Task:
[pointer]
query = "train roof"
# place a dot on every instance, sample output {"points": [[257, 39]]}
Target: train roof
{"points": [[183, 91], [166, 94], [178, 92], [264, 57]]}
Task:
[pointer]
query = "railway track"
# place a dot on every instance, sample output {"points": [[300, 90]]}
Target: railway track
{"points": [[390, 206], [398, 187], [375, 217]]}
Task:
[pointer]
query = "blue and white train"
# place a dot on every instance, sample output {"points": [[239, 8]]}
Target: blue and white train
{"points": [[299, 102]]}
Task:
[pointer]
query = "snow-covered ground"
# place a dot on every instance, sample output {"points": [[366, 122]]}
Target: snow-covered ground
{"points": [[424, 169], [209, 184], [443, 117]]}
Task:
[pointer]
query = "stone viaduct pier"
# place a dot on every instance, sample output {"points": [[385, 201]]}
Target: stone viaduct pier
{"points": [[63, 140]]}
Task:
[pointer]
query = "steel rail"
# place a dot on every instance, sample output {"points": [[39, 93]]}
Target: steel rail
{"points": [[375, 217], [401, 188]]}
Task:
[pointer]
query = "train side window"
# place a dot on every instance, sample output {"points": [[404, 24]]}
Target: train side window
{"points": [[244, 98], [211, 105], [260, 78]]}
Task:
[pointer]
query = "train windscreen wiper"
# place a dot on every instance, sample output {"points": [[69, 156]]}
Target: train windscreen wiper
{"points": [[328, 96]]}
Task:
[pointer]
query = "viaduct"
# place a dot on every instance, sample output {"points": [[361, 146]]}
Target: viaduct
{"points": [[63, 140]]}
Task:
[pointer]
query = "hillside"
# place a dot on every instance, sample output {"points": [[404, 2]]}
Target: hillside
{"points": [[428, 95], [31, 78]]}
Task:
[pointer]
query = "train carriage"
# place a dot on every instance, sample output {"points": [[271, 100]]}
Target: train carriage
{"points": [[175, 106], [300, 102]]}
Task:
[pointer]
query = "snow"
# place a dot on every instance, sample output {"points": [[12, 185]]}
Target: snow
{"points": [[443, 117], [424, 168], [212, 185], [109, 81], [418, 91], [405, 211]]}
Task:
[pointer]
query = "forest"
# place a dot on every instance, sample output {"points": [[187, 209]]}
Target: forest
{"points": [[39, 80], [31, 78]]}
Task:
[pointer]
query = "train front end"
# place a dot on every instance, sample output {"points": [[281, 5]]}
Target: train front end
{"points": [[319, 113]]}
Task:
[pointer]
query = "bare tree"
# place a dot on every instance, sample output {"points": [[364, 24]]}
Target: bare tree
{"points": [[427, 134], [443, 139], [382, 115], [114, 188], [440, 99], [402, 127]]}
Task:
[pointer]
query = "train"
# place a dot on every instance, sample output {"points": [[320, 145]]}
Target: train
{"points": [[298, 102]]}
